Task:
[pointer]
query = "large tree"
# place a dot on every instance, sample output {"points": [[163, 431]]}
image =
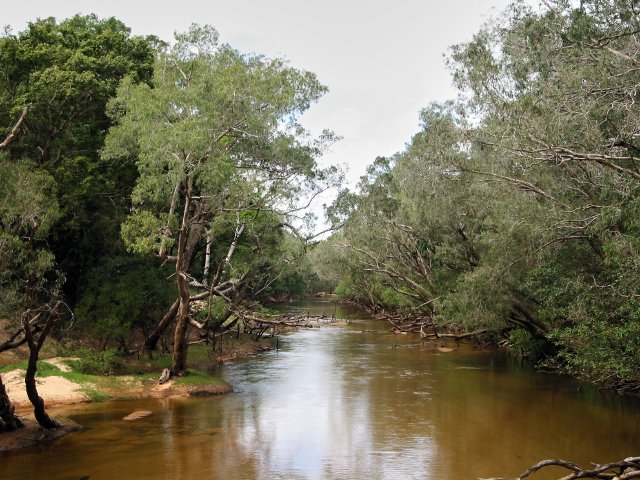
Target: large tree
{"points": [[65, 72], [217, 146], [58, 207]]}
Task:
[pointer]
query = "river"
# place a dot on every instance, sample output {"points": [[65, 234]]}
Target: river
{"points": [[339, 403]]}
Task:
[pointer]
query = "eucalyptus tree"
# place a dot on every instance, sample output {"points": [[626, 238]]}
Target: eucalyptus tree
{"points": [[522, 197], [418, 203], [558, 89], [218, 146]]}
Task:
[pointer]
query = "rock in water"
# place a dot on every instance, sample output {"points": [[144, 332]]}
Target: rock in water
{"points": [[137, 415]]}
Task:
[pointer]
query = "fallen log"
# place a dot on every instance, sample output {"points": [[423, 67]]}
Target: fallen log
{"points": [[260, 325]]}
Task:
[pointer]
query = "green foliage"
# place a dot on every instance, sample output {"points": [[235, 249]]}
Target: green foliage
{"points": [[601, 353], [523, 345], [66, 72], [141, 233], [92, 362], [28, 276], [516, 209], [215, 312], [221, 156], [123, 294]]}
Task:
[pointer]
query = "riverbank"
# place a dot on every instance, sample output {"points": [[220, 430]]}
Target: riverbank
{"points": [[63, 381], [60, 385]]}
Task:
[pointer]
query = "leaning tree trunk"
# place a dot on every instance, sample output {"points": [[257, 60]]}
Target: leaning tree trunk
{"points": [[179, 364], [190, 233], [8, 419], [521, 316], [162, 325], [36, 400]]}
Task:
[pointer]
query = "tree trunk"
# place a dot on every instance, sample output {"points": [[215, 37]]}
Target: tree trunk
{"points": [[36, 400], [523, 317], [162, 325], [179, 364], [8, 419], [190, 232]]}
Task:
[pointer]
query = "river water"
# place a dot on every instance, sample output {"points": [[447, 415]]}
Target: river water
{"points": [[340, 403]]}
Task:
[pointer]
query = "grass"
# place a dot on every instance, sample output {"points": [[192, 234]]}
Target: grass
{"points": [[96, 395], [197, 377], [133, 377], [44, 369], [14, 366]]}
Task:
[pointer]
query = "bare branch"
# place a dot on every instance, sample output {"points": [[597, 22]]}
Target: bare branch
{"points": [[16, 128]]}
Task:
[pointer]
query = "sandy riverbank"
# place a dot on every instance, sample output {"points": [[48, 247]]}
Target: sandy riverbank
{"points": [[68, 388], [60, 390]]}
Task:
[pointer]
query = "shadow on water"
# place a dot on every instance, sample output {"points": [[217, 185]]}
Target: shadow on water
{"points": [[337, 402]]}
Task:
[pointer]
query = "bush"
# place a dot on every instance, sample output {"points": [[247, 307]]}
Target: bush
{"points": [[98, 363]]}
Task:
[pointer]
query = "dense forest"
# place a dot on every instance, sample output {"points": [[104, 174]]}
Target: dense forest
{"points": [[514, 212], [138, 177]]}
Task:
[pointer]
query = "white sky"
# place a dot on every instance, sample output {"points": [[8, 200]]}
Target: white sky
{"points": [[382, 60]]}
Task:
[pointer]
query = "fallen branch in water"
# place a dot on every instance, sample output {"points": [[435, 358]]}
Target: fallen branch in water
{"points": [[428, 329], [626, 469], [259, 325], [412, 324]]}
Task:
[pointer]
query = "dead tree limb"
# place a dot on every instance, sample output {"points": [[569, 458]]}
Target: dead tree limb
{"points": [[16, 128], [18, 338], [260, 325]]}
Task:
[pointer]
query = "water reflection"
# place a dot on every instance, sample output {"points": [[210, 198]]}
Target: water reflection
{"points": [[335, 402]]}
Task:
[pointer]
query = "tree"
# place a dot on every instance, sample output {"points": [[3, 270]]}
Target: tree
{"points": [[65, 72], [56, 80], [217, 146], [29, 281], [556, 88], [521, 198]]}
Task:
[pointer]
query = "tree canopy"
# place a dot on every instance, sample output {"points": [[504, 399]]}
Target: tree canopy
{"points": [[218, 148], [514, 210]]}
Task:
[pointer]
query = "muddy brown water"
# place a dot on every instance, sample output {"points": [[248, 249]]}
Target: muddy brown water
{"points": [[337, 403]]}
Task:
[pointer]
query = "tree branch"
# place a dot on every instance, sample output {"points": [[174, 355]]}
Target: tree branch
{"points": [[16, 128]]}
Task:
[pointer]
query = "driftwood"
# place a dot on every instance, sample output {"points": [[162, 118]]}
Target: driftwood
{"points": [[258, 326], [428, 329], [165, 376], [626, 469]]}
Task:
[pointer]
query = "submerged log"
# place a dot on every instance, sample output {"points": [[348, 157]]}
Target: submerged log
{"points": [[136, 415]]}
